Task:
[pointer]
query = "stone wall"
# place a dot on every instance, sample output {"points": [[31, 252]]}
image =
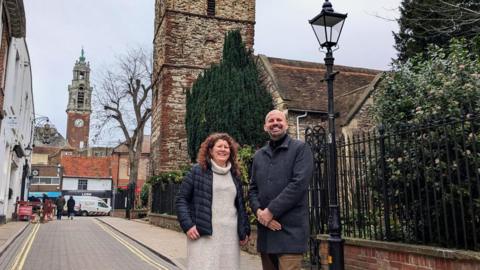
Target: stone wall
{"points": [[165, 221], [186, 42], [310, 120], [363, 121]]}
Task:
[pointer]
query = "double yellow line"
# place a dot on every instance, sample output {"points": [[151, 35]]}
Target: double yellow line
{"points": [[22, 255], [133, 249]]}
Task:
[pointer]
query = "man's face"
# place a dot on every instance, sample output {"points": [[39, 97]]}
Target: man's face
{"points": [[275, 125]]}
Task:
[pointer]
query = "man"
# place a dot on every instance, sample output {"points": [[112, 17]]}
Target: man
{"points": [[60, 203], [281, 171], [71, 207]]}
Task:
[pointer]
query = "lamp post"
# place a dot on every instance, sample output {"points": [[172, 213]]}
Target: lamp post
{"points": [[327, 27]]}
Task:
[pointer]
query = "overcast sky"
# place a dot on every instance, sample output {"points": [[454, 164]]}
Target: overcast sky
{"points": [[57, 30]]}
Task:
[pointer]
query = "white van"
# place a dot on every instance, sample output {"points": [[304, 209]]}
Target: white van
{"points": [[89, 206]]}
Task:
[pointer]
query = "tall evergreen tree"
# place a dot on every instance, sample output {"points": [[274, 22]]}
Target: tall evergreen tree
{"points": [[424, 22], [228, 97]]}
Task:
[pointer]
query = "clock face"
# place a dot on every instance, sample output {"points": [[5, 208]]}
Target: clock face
{"points": [[78, 123]]}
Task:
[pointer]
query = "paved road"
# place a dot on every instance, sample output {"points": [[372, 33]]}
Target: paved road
{"points": [[82, 243]]}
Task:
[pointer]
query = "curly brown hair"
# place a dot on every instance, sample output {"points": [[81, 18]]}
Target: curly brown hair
{"points": [[203, 155]]}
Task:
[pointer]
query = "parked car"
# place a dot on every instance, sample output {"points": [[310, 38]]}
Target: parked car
{"points": [[89, 206]]}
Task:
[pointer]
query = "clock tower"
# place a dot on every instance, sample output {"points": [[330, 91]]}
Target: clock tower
{"points": [[79, 105]]}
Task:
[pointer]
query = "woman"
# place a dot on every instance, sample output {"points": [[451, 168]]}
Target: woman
{"points": [[210, 206]]}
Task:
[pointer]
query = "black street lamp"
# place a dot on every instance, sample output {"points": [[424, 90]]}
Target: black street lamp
{"points": [[327, 27]]}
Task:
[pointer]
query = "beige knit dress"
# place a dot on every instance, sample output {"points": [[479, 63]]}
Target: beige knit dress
{"points": [[220, 250]]}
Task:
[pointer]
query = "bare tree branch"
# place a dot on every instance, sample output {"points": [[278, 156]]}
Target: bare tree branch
{"points": [[124, 101]]}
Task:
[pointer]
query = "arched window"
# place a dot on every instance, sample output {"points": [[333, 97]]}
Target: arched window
{"points": [[211, 7]]}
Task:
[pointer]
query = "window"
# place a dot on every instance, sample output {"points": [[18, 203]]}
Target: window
{"points": [[81, 75], [80, 98], [82, 184], [45, 181], [211, 7], [102, 204]]}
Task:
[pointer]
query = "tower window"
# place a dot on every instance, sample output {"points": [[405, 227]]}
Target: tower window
{"points": [[81, 76], [211, 7], [81, 99]]}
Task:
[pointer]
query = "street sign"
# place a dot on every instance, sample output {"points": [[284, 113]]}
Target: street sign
{"points": [[12, 121]]}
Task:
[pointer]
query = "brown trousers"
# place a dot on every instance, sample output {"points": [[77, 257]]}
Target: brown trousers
{"points": [[281, 261]]}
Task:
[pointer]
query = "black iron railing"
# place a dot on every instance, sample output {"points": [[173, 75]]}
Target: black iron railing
{"points": [[412, 184], [119, 200], [163, 198]]}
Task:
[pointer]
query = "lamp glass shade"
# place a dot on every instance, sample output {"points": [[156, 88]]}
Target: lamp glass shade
{"points": [[327, 27]]}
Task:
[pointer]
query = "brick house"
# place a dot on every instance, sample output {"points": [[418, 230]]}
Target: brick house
{"points": [[121, 168]]}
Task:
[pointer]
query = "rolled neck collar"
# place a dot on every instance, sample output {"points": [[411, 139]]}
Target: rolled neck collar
{"points": [[220, 170], [275, 144]]}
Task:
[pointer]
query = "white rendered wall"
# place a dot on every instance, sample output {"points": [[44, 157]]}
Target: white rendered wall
{"points": [[18, 104]]}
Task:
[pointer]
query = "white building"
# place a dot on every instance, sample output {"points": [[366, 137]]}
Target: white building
{"points": [[98, 187], [87, 176], [17, 110]]}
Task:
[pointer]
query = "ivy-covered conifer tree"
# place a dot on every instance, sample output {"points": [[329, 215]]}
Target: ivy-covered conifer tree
{"points": [[228, 97]]}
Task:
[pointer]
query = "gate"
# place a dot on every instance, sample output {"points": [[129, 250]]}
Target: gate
{"points": [[317, 192]]}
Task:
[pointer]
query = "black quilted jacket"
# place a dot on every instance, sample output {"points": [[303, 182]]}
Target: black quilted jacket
{"points": [[194, 203]]}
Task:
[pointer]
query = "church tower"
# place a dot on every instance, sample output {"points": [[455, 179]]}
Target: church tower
{"points": [[189, 36], [79, 104]]}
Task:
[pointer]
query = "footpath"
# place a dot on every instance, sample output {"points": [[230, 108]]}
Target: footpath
{"points": [[167, 243], [9, 232]]}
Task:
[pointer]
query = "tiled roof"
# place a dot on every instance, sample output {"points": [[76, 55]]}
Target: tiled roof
{"points": [[122, 148], [302, 87], [94, 167]]}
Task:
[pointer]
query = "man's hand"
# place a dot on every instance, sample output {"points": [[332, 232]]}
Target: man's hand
{"points": [[193, 234], [264, 216], [274, 225]]}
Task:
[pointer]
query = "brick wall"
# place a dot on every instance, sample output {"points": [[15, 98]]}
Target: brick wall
{"points": [[186, 42], [3, 60], [375, 255], [371, 255], [77, 134]]}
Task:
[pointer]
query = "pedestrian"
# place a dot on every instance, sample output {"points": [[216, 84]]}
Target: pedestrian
{"points": [[71, 207], [60, 203], [210, 206], [281, 171], [44, 198]]}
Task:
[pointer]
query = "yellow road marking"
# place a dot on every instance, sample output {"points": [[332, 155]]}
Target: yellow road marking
{"points": [[133, 249], [22, 255]]}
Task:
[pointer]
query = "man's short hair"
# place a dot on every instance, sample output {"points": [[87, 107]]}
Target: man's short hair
{"points": [[272, 111]]}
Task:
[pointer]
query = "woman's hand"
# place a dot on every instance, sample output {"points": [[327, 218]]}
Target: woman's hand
{"points": [[274, 225], [193, 234], [244, 241]]}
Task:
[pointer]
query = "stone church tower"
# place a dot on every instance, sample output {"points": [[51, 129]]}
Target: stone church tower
{"points": [[189, 37], [79, 104]]}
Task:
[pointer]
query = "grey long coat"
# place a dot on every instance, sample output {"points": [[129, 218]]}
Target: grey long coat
{"points": [[280, 181]]}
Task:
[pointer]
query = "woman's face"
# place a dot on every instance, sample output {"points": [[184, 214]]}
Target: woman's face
{"points": [[220, 152]]}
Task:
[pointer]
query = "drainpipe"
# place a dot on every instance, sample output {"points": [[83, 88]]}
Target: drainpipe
{"points": [[298, 124]]}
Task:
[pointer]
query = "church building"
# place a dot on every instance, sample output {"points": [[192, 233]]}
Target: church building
{"points": [[189, 36]]}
